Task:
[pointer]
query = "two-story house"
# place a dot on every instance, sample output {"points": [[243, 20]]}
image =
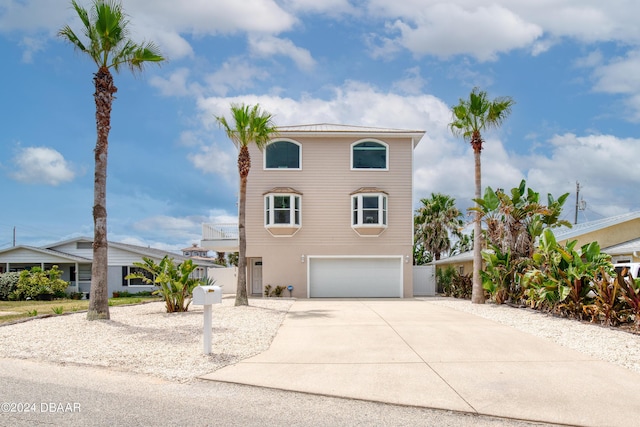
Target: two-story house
{"points": [[329, 212]]}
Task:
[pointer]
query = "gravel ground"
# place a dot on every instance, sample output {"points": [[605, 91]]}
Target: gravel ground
{"points": [[608, 344], [145, 339]]}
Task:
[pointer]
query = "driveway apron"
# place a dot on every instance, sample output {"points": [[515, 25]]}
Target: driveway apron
{"points": [[412, 352]]}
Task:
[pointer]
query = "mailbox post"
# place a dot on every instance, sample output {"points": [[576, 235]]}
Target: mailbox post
{"points": [[206, 296]]}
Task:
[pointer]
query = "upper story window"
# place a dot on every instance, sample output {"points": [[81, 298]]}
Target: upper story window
{"points": [[369, 155], [282, 215], [283, 155], [369, 211]]}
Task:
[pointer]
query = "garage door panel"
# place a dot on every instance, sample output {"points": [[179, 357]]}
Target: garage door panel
{"points": [[355, 277]]}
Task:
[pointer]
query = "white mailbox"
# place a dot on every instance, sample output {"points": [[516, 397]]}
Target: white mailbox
{"points": [[207, 295]]}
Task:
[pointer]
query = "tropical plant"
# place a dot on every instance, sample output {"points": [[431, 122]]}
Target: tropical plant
{"points": [[435, 221], [463, 243], [461, 286], [421, 256], [233, 259], [608, 305], [513, 223], [105, 28], [630, 294], [176, 285], [515, 220], [561, 277], [500, 275], [250, 125], [8, 282], [37, 283], [221, 259], [444, 277], [471, 117]]}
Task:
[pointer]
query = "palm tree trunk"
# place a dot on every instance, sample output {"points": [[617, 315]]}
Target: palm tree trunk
{"points": [[99, 298], [477, 293], [244, 164]]}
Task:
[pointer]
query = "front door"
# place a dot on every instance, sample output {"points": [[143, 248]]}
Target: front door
{"points": [[256, 276]]}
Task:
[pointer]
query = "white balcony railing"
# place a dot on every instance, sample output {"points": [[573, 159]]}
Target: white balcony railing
{"points": [[220, 237]]}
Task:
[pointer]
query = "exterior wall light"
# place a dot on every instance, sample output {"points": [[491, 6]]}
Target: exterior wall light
{"points": [[406, 259], [301, 258]]}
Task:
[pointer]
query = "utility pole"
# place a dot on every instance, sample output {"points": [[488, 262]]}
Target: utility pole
{"points": [[14, 236], [575, 221]]}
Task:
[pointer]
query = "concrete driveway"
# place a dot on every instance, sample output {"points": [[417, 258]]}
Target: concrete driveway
{"points": [[411, 352]]}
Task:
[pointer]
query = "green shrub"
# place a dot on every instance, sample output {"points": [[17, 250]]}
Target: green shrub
{"points": [[175, 283], [444, 276], [40, 284], [8, 283]]}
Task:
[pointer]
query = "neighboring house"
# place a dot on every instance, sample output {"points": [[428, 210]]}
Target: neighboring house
{"points": [[74, 258], [195, 251], [618, 236], [329, 211]]}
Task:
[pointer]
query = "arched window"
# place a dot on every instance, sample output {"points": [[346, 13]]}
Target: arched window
{"points": [[369, 155], [283, 155]]}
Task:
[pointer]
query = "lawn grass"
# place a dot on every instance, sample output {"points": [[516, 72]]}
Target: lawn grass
{"points": [[15, 310]]}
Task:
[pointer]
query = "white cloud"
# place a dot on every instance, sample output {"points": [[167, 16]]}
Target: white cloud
{"points": [[327, 7], [212, 159], [411, 83], [235, 74], [175, 85], [163, 23], [620, 75], [267, 46], [41, 165], [447, 29], [31, 45], [445, 164], [601, 163]]}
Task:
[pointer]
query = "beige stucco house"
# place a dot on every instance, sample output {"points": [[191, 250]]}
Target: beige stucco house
{"points": [[329, 212]]}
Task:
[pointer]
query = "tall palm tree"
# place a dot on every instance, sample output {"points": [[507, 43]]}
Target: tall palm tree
{"points": [[108, 45], [250, 125], [471, 117], [435, 220]]}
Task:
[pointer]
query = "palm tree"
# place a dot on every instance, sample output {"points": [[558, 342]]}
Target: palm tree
{"points": [[108, 45], [250, 125], [435, 220], [470, 117]]}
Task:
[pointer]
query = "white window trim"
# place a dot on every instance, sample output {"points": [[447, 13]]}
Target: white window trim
{"points": [[377, 141], [264, 157], [381, 210], [144, 285], [292, 211]]}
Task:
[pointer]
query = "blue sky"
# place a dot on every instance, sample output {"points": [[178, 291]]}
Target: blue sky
{"points": [[572, 66]]}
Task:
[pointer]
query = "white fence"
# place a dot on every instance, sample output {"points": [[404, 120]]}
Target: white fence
{"points": [[424, 280], [226, 278]]}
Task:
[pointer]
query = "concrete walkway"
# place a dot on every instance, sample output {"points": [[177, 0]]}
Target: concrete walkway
{"points": [[411, 352]]}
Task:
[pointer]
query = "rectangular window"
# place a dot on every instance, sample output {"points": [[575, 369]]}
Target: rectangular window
{"points": [[282, 209], [126, 270], [369, 209], [84, 245]]}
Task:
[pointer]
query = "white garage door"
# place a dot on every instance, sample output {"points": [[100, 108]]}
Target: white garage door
{"points": [[355, 277]]}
